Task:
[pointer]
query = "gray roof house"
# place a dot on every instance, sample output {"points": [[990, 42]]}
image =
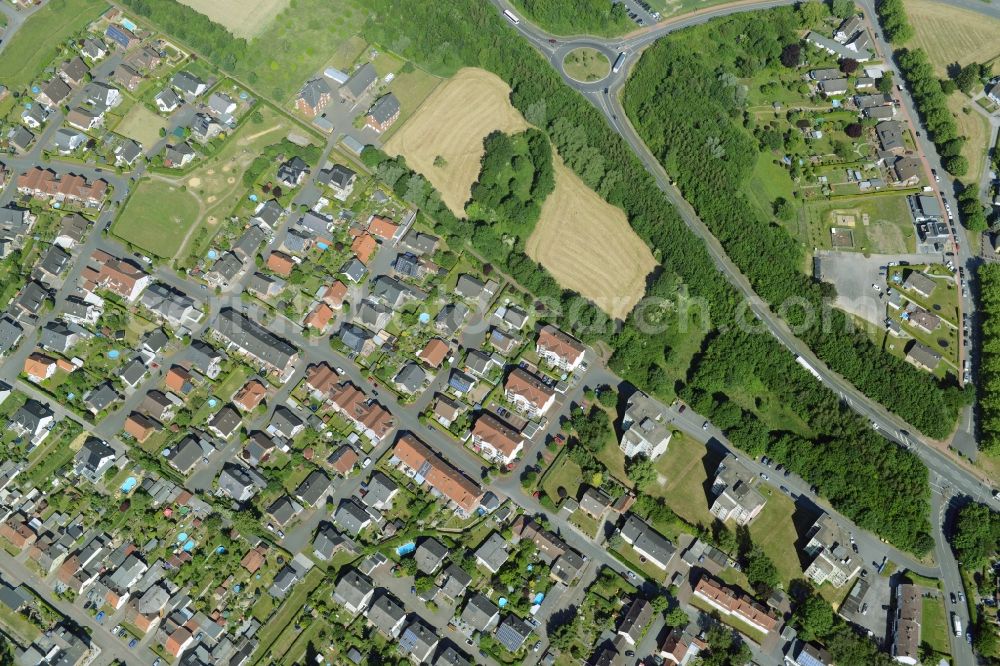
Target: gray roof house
{"points": [[167, 100], [456, 581], [93, 459], [361, 81], [268, 213], [449, 656], [386, 614], [10, 334], [480, 614], [351, 516], [285, 579], [418, 640], [100, 397], [226, 422], [254, 340], [291, 172], [493, 552], [381, 490], [185, 455], [513, 632], [430, 555], [354, 270], [57, 336], [411, 378], [327, 541], [188, 84], [283, 510], [647, 542], [313, 488], [239, 482], [285, 423], [353, 591], [249, 242]]}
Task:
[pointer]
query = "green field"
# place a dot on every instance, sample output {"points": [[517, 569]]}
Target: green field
{"points": [[157, 218], [774, 531], [935, 625], [889, 229], [563, 474], [35, 43], [684, 475], [586, 64]]}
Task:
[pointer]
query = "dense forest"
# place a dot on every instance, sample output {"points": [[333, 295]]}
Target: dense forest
{"points": [[989, 365], [516, 176], [712, 154], [592, 17], [838, 453], [976, 542]]}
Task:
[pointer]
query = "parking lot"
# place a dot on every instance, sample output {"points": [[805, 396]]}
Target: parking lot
{"points": [[873, 594], [853, 274]]}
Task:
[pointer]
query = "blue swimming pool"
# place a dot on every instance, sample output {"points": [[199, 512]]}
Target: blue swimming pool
{"points": [[406, 548], [129, 484]]}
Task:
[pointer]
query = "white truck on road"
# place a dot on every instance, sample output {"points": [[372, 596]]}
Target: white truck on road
{"points": [[957, 623]]}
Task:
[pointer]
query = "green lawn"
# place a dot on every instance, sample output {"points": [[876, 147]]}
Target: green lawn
{"points": [[889, 228], [935, 625], [563, 474], [684, 476], [157, 218], [233, 382], [586, 64], [35, 43], [647, 569], [774, 531], [18, 625]]}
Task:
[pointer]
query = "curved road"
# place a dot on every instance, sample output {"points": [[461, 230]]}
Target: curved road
{"points": [[605, 96]]}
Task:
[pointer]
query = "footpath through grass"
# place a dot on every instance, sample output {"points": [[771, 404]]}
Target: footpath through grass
{"points": [[35, 42]]}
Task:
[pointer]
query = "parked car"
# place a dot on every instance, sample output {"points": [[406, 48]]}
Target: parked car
{"points": [[132, 643], [952, 597], [704, 426], [100, 617]]}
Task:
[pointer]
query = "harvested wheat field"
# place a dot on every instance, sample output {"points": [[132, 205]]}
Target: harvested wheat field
{"points": [[243, 19], [451, 124], [950, 34], [589, 247]]}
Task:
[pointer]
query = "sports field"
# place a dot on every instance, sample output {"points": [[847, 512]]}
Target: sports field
{"points": [[243, 19], [35, 42], [451, 124], [952, 35], [157, 218], [589, 247]]}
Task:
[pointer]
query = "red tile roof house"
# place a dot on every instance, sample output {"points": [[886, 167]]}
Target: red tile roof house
{"points": [[528, 393], [382, 227], [320, 317], [334, 295], [140, 426], [496, 441], [122, 278], [39, 367], [425, 466], [373, 420], [558, 349], [321, 380], [364, 247], [434, 353], [280, 263], [729, 602], [251, 395], [46, 184]]}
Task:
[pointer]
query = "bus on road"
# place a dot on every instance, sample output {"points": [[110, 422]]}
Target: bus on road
{"points": [[510, 16], [619, 61]]}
